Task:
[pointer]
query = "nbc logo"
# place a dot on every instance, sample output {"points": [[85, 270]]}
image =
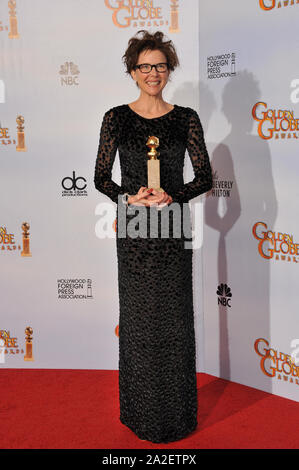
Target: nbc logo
{"points": [[224, 295]]}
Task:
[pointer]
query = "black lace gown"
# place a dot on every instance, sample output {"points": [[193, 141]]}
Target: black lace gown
{"points": [[157, 360]]}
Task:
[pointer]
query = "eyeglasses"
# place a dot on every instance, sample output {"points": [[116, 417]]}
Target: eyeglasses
{"points": [[146, 68]]}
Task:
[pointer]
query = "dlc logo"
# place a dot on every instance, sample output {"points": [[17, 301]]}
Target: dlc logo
{"points": [[72, 187], [224, 295]]}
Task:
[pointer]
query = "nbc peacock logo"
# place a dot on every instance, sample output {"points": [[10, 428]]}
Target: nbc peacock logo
{"points": [[224, 295], [69, 74]]}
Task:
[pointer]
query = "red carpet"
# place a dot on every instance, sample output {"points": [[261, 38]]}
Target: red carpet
{"points": [[79, 409]]}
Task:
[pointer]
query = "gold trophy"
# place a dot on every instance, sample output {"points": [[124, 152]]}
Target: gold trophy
{"points": [[13, 20], [28, 355], [26, 248], [174, 17], [21, 135], [153, 164]]}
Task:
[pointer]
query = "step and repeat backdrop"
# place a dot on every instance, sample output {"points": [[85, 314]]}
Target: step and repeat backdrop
{"points": [[249, 105], [61, 69]]}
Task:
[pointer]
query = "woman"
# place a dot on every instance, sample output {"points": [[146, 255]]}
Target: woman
{"points": [[157, 362]]}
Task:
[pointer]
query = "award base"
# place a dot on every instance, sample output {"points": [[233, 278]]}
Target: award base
{"points": [[26, 249], [21, 147], [28, 355], [13, 33]]}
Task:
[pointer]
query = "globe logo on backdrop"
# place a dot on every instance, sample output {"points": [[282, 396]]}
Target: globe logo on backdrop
{"points": [[141, 13]]}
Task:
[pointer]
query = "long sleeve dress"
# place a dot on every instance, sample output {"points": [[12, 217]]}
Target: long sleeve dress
{"points": [[157, 360]]}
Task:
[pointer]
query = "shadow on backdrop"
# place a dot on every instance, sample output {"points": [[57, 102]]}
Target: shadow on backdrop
{"points": [[245, 159]]}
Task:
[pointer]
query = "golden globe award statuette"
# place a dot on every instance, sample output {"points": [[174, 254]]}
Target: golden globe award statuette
{"points": [[153, 164], [28, 355], [21, 135], [26, 248], [13, 33]]}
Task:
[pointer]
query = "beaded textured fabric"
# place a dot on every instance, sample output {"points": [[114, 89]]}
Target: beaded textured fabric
{"points": [[157, 361]]}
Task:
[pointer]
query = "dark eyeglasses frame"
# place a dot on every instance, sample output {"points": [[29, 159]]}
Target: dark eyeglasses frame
{"points": [[152, 65]]}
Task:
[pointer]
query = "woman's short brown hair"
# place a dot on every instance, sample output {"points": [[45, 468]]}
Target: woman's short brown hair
{"points": [[149, 42]]}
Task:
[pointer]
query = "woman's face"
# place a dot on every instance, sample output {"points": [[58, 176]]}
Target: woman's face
{"points": [[151, 83]]}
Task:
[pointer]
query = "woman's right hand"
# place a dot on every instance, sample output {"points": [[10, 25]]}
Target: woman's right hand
{"points": [[140, 199]]}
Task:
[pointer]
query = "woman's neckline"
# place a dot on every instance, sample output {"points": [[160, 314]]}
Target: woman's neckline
{"points": [[150, 119]]}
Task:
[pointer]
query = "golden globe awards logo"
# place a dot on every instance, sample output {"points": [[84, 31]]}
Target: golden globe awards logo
{"points": [[5, 138], [267, 5], [7, 242], [277, 123], [275, 245], [276, 364], [143, 13], [9, 343]]}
